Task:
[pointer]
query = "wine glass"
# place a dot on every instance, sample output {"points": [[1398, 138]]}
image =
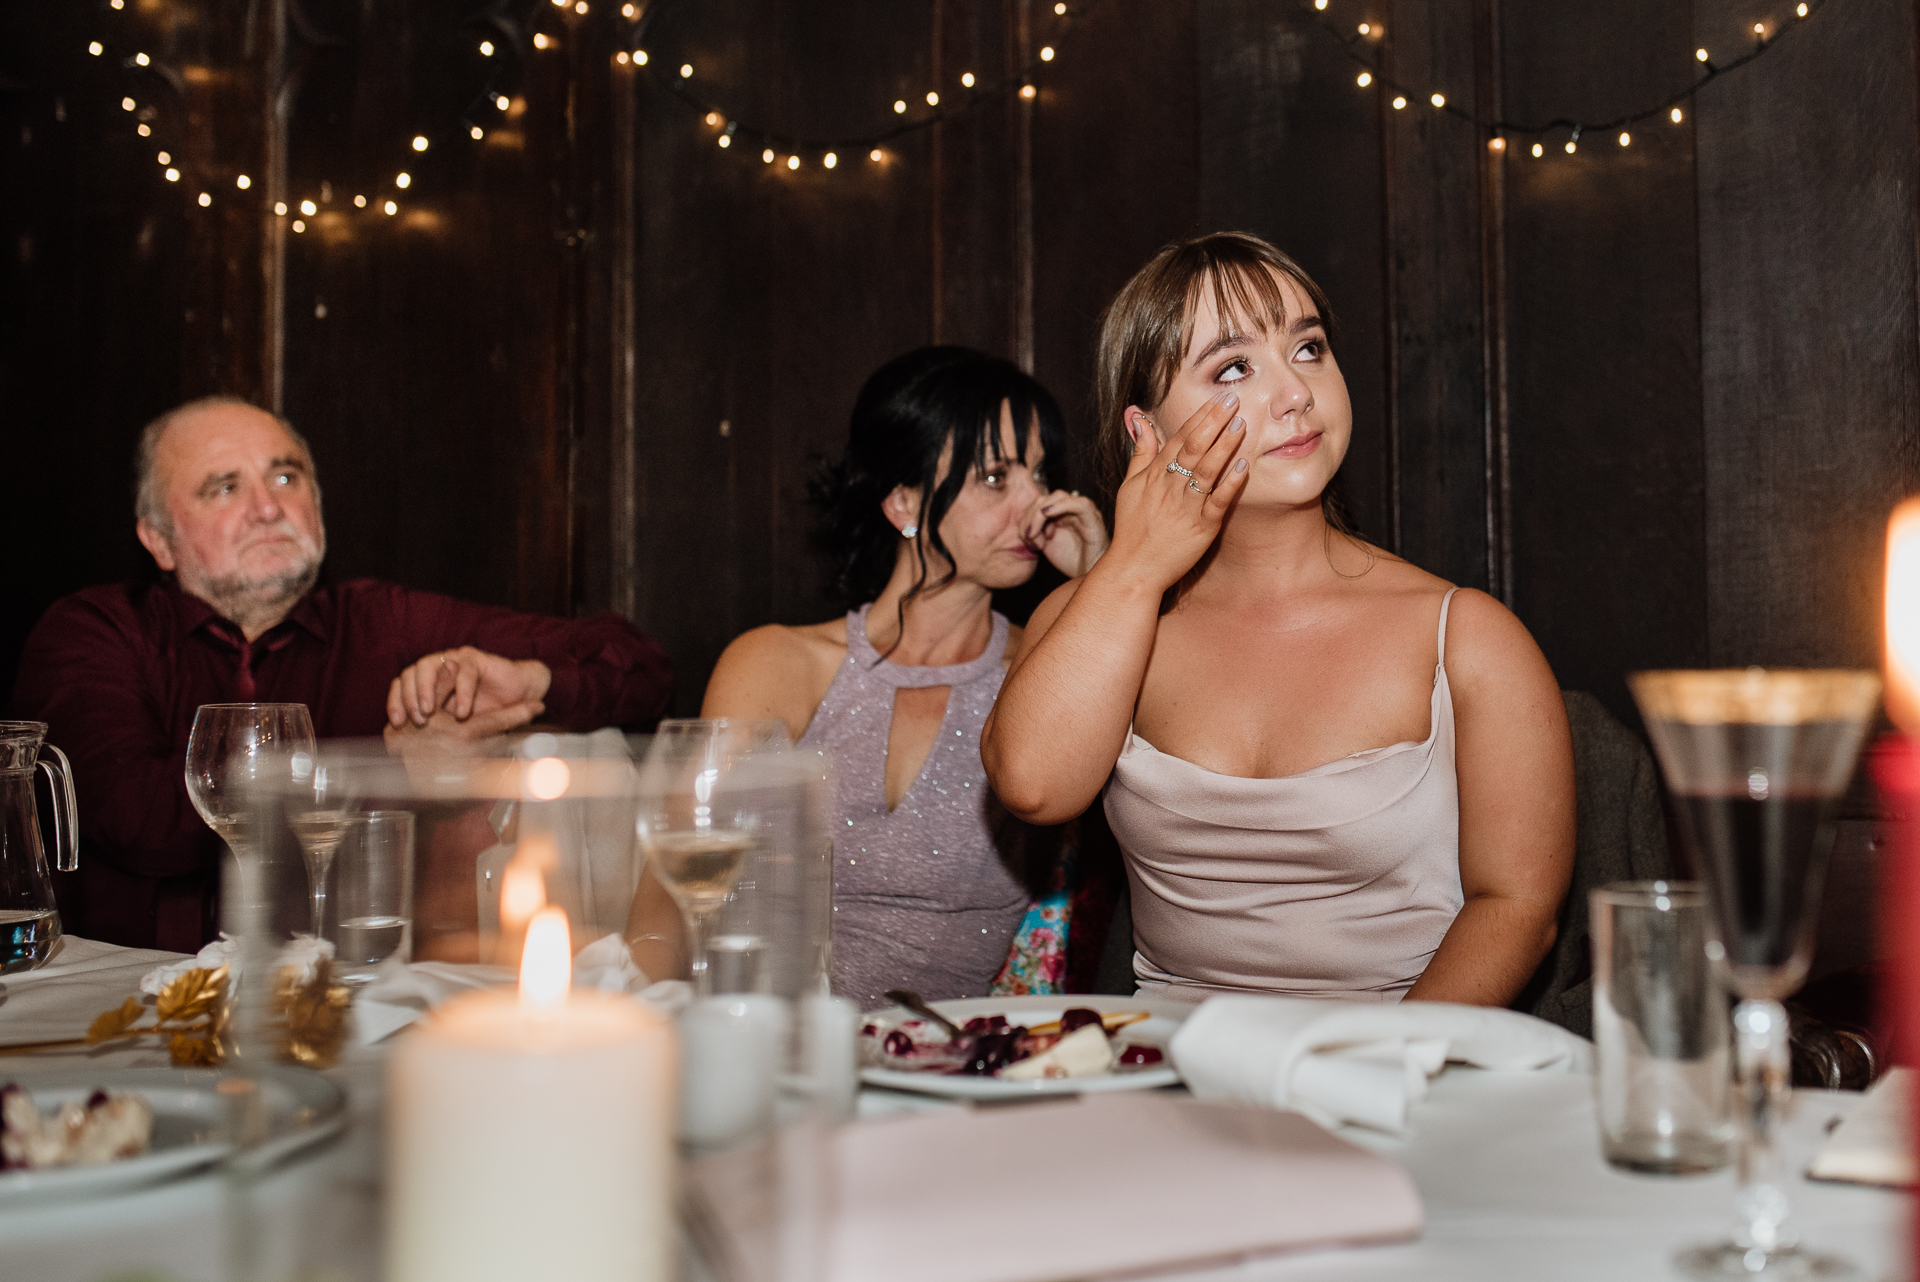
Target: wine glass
{"points": [[698, 828], [1755, 759]]}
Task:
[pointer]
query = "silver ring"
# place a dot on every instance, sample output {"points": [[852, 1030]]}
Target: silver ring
{"points": [[1175, 467], [1196, 489]]}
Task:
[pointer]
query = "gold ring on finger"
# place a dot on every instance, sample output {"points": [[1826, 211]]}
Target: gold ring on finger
{"points": [[1186, 472]]}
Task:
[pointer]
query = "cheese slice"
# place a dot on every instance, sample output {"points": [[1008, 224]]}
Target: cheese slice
{"points": [[1085, 1052]]}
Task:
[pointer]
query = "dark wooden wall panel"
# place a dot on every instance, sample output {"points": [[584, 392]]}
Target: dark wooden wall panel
{"points": [[1290, 150], [1807, 182], [1602, 316]]}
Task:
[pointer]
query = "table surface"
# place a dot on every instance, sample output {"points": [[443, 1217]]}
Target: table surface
{"points": [[1507, 1163]]}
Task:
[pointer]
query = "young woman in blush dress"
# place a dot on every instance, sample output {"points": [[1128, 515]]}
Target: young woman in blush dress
{"points": [[1331, 773], [941, 498]]}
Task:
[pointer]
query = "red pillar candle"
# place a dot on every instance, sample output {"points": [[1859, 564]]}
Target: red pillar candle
{"points": [[1896, 768]]}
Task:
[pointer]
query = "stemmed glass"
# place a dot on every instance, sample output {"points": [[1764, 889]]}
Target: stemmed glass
{"points": [[695, 825], [1755, 759]]}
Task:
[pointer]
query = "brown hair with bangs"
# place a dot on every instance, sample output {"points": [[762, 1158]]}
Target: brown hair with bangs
{"points": [[1146, 329]]}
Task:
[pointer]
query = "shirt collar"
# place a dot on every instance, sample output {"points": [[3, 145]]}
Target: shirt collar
{"points": [[195, 615]]}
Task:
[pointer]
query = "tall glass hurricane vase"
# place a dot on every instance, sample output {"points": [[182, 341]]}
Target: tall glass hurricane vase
{"points": [[1755, 759]]}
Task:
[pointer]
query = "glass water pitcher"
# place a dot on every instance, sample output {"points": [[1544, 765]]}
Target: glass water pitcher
{"points": [[29, 919]]}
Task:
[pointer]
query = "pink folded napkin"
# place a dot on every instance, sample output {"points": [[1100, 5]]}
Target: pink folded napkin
{"points": [[1104, 1185]]}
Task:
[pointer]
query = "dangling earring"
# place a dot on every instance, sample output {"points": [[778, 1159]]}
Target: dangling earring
{"points": [[908, 531]]}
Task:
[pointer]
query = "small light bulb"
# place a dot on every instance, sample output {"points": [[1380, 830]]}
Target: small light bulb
{"points": [[419, 143], [359, 202], [243, 182], [173, 175], [116, 4], [1675, 115], [640, 57], [127, 104], [476, 132], [1801, 10], [686, 71], [96, 48], [829, 160], [1701, 54], [143, 131], [501, 101], [713, 117], [1027, 92], [1571, 146], [1320, 4], [1398, 103], [141, 59], [298, 225], [1061, 9], [1364, 79], [540, 40], [391, 208], [205, 200], [933, 99], [627, 11], [1046, 54], [280, 208], [403, 181], [874, 155], [486, 48], [308, 208], [581, 8], [726, 140], [622, 58], [966, 78], [1497, 144], [899, 106], [164, 158], [1439, 100], [1626, 139], [1759, 28], [1366, 28], [793, 162], [766, 157], [1538, 150]]}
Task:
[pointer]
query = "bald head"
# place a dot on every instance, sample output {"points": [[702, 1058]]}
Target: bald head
{"points": [[226, 499]]}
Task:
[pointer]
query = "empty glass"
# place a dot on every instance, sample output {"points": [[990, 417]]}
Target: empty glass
{"points": [[1659, 1028]]}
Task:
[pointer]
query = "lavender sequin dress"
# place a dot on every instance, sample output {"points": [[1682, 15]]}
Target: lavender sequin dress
{"points": [[926, 896]]}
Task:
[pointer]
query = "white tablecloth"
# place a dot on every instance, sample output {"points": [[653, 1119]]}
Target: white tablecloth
{"points": [[1508, 1165]]}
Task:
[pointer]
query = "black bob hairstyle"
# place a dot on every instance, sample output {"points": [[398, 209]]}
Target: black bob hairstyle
{"points": [[901, 423]]}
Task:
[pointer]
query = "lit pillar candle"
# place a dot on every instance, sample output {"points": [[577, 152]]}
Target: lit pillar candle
{"points": [[1897, 771], [529, 1134]]}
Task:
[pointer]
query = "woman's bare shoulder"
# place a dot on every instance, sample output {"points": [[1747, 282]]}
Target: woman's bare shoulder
{"points": [[777, 670]]}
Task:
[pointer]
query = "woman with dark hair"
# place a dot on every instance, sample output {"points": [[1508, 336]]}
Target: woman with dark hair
{"points": [[1331, 774], [941, 499]]}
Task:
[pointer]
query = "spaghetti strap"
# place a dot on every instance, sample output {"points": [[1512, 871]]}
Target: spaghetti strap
{"points": [[1445, 602]]}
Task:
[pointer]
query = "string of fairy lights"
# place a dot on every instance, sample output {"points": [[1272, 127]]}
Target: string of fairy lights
{"points": [[1364, 42]]}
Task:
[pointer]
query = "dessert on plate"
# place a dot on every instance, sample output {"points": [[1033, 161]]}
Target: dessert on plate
{"points": [[1081, 1043], [109, 1126]]}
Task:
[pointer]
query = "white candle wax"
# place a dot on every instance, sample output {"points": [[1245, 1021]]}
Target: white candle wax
{"points": [[526, 1143]]}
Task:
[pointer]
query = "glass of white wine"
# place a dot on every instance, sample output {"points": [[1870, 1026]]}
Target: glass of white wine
{"points": [[696, 825]]}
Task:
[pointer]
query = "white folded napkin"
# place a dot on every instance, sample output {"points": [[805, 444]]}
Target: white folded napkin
{"points": [[303, 951], [1355, 1062], [1874, 1145]]}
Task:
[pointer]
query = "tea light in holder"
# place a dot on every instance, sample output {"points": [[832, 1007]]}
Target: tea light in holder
{"points": [[530, 1134]]}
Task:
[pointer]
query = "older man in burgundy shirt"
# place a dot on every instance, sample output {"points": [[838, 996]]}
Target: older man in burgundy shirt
{"points": [[229, 506]]}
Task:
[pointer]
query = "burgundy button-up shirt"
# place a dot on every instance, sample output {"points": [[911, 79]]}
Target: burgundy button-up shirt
{"points": [[117, 673]]}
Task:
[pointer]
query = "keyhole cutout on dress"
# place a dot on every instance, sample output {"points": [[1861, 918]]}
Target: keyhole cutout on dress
{"points": [[917, 717]]}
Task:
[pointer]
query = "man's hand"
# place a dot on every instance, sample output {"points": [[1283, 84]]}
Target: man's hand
{"points": [[444, 728], [467, 686]]}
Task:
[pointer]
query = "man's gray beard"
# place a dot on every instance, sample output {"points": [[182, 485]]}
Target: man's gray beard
{"points": [[264, 600]]}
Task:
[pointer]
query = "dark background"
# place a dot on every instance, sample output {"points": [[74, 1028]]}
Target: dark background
{"points": [[1659, 398]]}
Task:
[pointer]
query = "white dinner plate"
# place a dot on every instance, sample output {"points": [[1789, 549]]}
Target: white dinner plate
{"points": [[188, 1112], [1165, 1018]]}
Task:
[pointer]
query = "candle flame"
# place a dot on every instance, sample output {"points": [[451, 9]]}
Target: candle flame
{"points": [[546, 964], [523, 892], [1903, 617]]}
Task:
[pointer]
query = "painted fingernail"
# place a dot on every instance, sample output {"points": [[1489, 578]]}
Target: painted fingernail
{"points": [[1239, 467], [1238, 424], [1231, 399]]}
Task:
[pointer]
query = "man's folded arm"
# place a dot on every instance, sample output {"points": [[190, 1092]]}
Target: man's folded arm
{"points": [[93, 681]]}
